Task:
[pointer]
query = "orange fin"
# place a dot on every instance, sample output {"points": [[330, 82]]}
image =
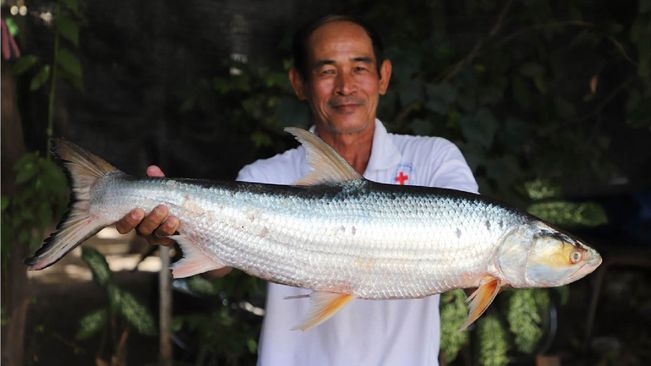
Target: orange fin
{"points": [[323, 306], [194, 261], [481, 299]]}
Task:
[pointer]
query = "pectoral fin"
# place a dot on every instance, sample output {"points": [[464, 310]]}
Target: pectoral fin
{"points": [[194, 261], [481, 299], [323, 306]]}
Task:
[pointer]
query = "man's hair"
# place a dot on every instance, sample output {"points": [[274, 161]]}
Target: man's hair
{"points": [[299, 43]]}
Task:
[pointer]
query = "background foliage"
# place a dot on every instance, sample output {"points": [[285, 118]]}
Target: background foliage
{"points": [[548, 100]]}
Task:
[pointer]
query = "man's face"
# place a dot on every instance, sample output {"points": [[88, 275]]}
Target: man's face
{"points": [[342, 85]]}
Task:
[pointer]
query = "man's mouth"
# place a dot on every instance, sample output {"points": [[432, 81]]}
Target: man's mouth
{"points": [[346, 106]]}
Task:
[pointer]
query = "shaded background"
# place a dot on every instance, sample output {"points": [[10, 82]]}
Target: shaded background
{"points": [[550, 103]]}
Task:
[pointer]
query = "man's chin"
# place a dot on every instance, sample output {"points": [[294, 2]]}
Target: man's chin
{"points": [[344, 127]]}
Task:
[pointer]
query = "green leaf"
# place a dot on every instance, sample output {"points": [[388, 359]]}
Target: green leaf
{"points": [[137, 315], [252, 345], [525, 317], [291, 112], [177, 324], [26, 171], [410, 91], [91, 323], [201, 286], [479, 128], [97, 264], [564, 109], [69, 62], [24, 64], [260, 139], [68, 29], [493, 346], [221, 86], [453, 314], [73, 5], [40, 78], [639, 112], [421, 127], [569, 213], [521, 92], [57, 184], [539, 189], [531, 70], [5, 202], [644, 6], [444, 91]]}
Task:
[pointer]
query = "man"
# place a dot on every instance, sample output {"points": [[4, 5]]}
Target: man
{"points": [[341, 73]]}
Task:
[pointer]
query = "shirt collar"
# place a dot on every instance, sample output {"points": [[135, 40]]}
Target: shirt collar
{"points": [[384, 154]]}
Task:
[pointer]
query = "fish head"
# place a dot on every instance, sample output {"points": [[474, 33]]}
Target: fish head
{"points": [[536, 255]]}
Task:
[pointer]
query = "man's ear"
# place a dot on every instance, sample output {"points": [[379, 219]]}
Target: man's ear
{"points": [[385, 76], [297, 82]]}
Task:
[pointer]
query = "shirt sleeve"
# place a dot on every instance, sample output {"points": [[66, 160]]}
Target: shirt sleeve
{"points": [[453, 171], [250, 174]]}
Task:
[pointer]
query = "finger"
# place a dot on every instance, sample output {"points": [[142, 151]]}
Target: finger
{"points": [[153, 239], [153, 220], [155, 171], [130, 221], [169, 227]]}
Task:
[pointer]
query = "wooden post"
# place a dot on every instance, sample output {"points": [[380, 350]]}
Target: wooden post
{"points": [[165, 307]]}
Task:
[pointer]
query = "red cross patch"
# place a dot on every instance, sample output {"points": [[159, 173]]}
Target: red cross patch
{"points": [[401, 178], [404, 175]]}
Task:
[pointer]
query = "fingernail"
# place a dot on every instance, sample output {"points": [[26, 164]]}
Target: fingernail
{"points": [[160, 210], [135, 215], [172, 223]]}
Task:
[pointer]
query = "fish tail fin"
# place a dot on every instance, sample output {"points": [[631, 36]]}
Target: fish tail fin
{"points": [[78, 224]]}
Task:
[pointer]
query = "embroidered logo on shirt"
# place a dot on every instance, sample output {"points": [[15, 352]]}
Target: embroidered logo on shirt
{"points": [[403, 174]]}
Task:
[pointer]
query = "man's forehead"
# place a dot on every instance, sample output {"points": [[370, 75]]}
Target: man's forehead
{"points": [[340, 35]]}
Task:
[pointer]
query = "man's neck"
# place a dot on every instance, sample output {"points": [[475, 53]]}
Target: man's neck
{"points": [[355, 148]]}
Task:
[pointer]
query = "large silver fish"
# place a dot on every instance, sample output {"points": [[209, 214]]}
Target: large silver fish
{"points": [[333, 232]]}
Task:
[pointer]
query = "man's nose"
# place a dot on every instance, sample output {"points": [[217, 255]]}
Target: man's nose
{"points": [[345, 84]]}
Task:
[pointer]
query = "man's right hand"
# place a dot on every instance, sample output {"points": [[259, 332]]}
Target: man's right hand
{"points": [[155, 226]]}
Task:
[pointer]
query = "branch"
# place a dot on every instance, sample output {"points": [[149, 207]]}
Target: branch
{"points": [[459, 65]]}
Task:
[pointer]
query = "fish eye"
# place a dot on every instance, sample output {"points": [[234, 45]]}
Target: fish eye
{"points": [[575, 257]]}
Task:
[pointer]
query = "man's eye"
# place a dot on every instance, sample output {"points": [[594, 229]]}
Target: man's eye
{"points": [[360, 68], [327, 72]]}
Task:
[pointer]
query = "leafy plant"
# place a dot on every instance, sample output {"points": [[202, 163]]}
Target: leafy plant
{"points": [[41, 198], [494, 345], [123, 312], [64, 64], [229, 329]]}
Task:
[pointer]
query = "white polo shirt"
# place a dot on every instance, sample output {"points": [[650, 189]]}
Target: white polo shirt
{"points": [[364, 332]]}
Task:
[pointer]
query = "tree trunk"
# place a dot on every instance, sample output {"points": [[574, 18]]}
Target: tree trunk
{"points": [[15, 292]]}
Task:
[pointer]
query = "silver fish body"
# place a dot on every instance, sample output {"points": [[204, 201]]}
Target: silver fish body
{"points": [[372, 240], [341, 236]]}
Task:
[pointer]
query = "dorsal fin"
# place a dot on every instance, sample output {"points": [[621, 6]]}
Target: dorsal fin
{"points": [[327, 166]]}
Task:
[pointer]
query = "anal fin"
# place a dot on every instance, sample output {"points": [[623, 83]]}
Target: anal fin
{"points": [[194, 261], [481, 299], [323, 306]]}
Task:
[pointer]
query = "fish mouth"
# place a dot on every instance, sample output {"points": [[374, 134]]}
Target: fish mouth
{"points": [[588, 267]]}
